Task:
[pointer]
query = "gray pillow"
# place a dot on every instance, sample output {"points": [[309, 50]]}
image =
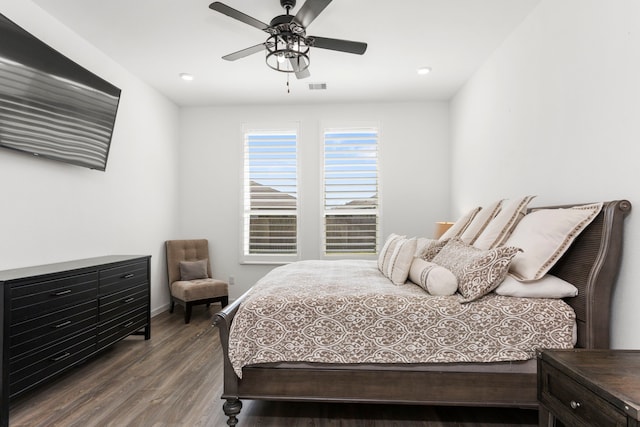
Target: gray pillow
{"points": [[192, 270]]}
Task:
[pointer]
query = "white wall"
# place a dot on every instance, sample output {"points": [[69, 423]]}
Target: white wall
{"points": [[414, 172], [554, 112], [56, 212]]}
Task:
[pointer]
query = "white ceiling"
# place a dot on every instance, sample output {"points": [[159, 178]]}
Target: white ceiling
{"points": [[159, 39]]}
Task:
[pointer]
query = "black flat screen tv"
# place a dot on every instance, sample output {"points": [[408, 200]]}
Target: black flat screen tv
{"points": [[49, 105]]}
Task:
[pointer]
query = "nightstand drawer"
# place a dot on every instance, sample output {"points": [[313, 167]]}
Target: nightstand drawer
{"points": [[123, 277], [574, 403]]}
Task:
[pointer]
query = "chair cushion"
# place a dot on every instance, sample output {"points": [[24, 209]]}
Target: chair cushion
{"points": [[192, 290]]}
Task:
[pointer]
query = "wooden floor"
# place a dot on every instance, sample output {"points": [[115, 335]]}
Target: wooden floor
{"points": [[175, 379]]}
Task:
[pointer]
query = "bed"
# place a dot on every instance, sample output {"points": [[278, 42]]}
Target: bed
{"points": [[590, 263]]}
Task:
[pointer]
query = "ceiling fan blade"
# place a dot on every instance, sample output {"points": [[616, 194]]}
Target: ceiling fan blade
{"points": [[303, 74], [244, 52], [300, 74], [310, 11], [337, 44], [236, 14]]}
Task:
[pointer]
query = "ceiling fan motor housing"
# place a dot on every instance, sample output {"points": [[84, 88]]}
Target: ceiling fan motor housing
{"points": [[288, 4]]}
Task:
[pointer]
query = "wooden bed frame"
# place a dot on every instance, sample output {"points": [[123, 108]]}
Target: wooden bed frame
{"points": [[591, 264]]}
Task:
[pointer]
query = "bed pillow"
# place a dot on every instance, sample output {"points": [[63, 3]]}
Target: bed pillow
{"points": [[501, 226], [547, 287], [193, 270], [387, 250], [400, 261], [426, 249], [434, 279], [480, 222], [478, 271], [545, 235], [460, 225]]}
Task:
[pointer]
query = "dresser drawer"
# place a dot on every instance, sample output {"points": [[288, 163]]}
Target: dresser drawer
{"points": [[121, 326], [574, 403], [118, 303], [35, 299], [122, 277], [43, 330], [40, 364]]}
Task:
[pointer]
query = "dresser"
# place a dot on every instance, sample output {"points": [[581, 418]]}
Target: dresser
{"points": [[58, 315], [589, 387]]}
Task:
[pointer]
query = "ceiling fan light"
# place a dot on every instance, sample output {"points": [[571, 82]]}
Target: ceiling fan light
{"points": [[287, 53]]}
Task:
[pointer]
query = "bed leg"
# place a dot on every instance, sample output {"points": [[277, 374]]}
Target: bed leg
{"points": [[232, 408]]}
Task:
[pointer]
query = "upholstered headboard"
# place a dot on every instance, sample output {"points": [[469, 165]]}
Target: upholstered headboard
{"points": [[591, 264]]}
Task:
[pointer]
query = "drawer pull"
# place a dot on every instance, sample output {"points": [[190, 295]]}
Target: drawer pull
{"points": [[126, 325], [574, 404], [59, 294], [60, 325], [128, 276], [61, 357], [128, 300]]}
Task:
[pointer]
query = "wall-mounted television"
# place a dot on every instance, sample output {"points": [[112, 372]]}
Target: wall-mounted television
{"points": [[49, 105]]}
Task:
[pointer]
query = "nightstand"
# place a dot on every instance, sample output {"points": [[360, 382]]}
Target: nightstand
{"points": [[589, 387]]}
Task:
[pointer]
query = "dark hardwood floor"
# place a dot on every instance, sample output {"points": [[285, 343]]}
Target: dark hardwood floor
{"points": [[175, 379]]}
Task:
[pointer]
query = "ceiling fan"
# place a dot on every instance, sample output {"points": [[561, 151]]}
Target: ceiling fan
{"points": [[287, 47]]}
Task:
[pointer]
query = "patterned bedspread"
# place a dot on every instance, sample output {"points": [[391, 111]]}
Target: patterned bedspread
{"points": [[347, 312]]}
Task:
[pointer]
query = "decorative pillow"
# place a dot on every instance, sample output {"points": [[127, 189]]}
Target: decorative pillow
{"points": [[387, 250], [192, 270], [547, 287], [480, 222], [460, 225], [428, 248], [501, 226], [478, 271], [433, 278], [545, 235], [400, 261]]}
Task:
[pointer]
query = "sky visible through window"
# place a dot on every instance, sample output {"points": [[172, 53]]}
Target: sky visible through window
{"points": [[350, 167], [350, 164]]}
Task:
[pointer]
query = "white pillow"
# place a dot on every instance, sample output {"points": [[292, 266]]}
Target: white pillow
{"points": [[433, 278], [547, 287], [501, 226], [544, 236], [479, 222], [400, 260], [460, 225], [387, 250]]}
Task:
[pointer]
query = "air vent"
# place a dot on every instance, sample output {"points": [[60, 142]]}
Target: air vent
{"points": [[317, 86]]}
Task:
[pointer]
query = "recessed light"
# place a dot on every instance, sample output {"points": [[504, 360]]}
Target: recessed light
{"points": [[424, 70], [186, 76]]}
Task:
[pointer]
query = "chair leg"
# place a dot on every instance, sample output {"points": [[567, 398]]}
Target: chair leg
{"points": [[224, 301], [172, 306], [187, 312]]}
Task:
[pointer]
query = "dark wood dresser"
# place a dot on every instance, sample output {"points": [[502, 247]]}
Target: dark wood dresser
{"points": [[58, 315], [589, 387]]}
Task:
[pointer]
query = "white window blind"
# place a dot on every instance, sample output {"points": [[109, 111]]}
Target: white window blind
{"points": [[270, 195], [351, 191]]}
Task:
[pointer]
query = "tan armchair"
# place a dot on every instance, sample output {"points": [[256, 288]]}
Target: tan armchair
{"points": [[189, 274]]}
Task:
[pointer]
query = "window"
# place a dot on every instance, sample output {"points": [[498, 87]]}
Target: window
{"points": [[270, 215], [351, 192]]}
